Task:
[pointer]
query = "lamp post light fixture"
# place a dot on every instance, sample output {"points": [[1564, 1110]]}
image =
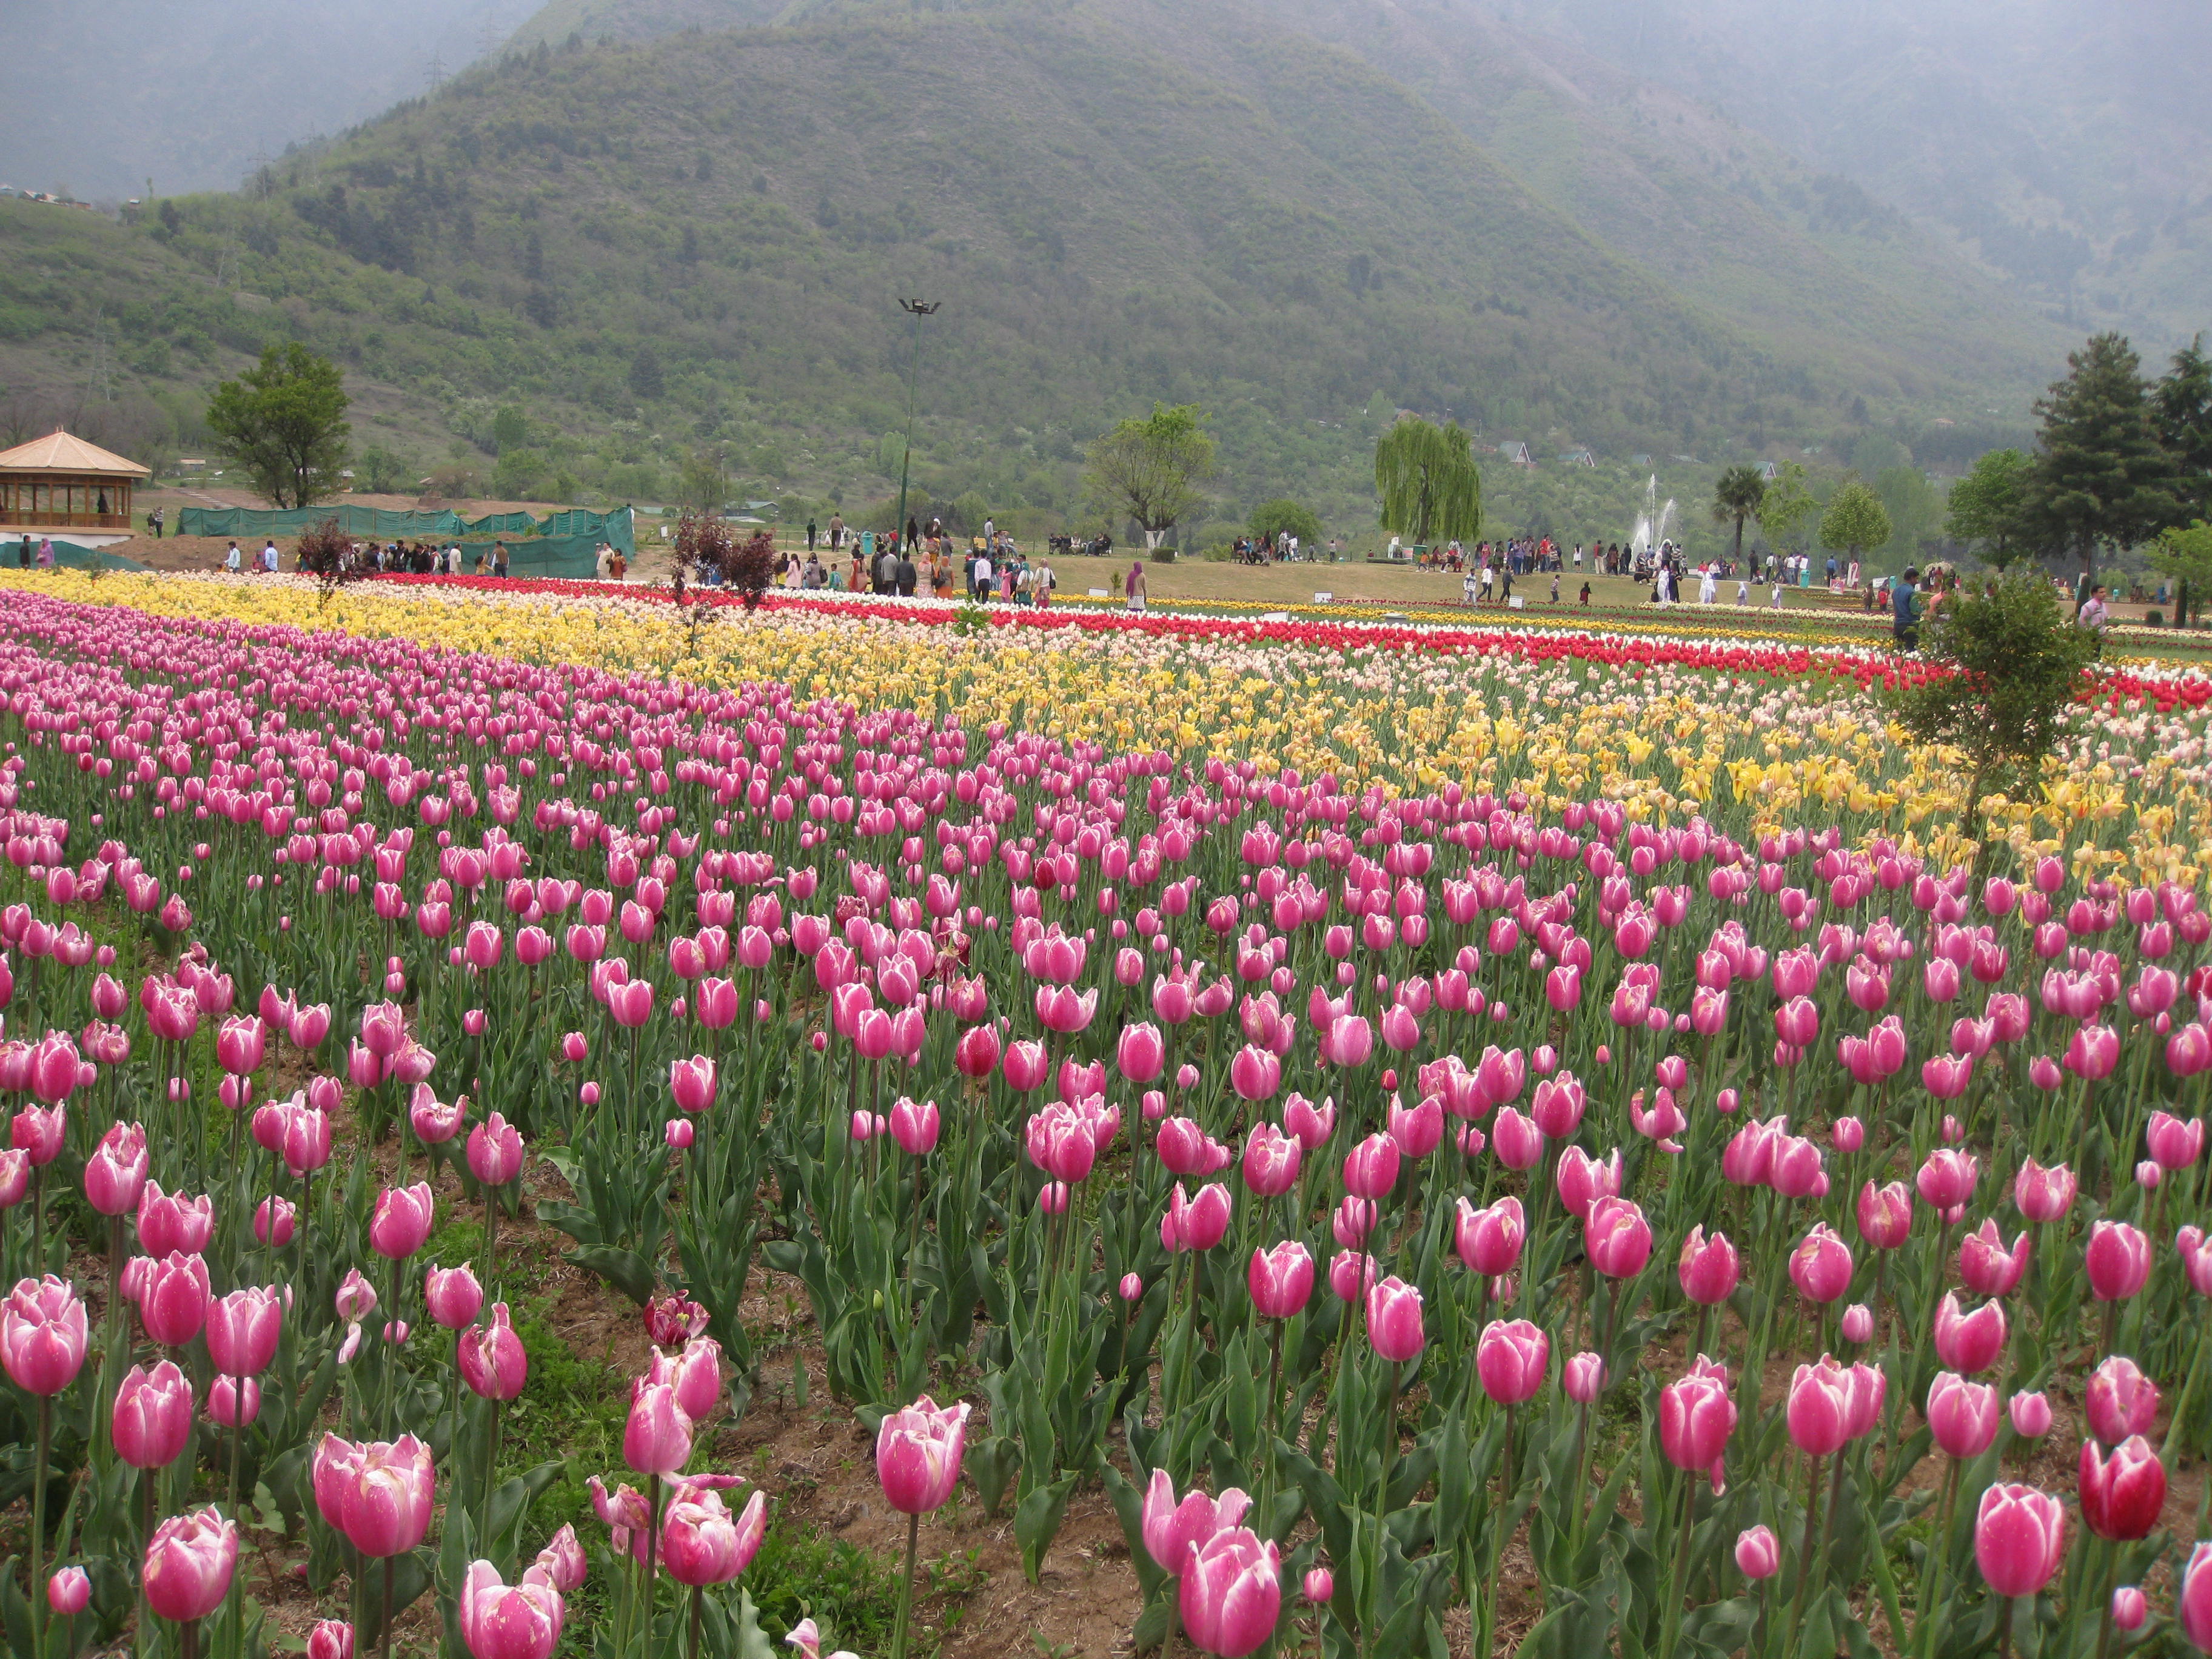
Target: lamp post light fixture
{"points": [[919, 309]]}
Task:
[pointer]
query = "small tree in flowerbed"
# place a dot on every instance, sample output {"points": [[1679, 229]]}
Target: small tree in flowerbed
{"points": [[2007, 666], [746, 569], [326, 554]]}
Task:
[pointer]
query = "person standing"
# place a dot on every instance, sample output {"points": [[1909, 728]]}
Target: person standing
{"points": [[2094, 612], [1904, 610], [155, 519], [810, 535], [233, 560], [499, 561], [1708, 586], [904, 573], [45, 552], [1136, 586], [268, 558], [983, 577]]}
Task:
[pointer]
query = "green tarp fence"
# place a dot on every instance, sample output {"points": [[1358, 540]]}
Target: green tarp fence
{"points": [[574, 557], [390, 524]]}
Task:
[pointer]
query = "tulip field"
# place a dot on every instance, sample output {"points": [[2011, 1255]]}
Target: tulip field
{"points": [[1460, 1141]]}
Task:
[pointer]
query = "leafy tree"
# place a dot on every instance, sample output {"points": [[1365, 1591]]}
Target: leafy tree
{"points": [[518, 474], [1282, 517], [381, 472], [1856, 520], [2182, 399], [1738, 496], [510, 429], [1431, 488], [1985, 505], [1151, 469], [1915, 508], [2103, 476], [2185, 555], [1787, 503], [2014, 664], [325, 552], [702, 485], [283, 423]]}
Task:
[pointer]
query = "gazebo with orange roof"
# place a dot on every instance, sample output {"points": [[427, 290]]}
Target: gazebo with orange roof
{"points": [[62, 483]]}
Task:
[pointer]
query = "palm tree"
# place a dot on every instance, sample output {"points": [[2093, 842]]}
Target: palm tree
{"points": [[1738, 496]]}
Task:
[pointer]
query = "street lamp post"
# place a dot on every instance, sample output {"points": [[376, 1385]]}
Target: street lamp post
{"points": [[919, 309]]}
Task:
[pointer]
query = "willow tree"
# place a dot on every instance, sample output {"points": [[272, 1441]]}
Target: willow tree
{"points": [[1428, 482]]}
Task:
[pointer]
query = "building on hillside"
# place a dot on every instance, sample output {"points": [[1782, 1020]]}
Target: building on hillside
{"points": [[1769, 471], [61, 483], [1578, 457], [1515, 452]]}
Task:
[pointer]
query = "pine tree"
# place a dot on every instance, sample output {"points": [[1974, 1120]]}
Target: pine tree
{"points": [[2183, 403], [2103, 476]]}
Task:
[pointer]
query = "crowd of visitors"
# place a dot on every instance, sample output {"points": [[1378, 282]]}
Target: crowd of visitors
{"points": [[919, 562]]}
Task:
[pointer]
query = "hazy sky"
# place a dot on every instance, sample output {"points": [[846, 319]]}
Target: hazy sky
{"points": [[102, 94]]}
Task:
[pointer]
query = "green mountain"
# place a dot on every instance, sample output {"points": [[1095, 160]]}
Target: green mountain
{"points": [[590, 258]]}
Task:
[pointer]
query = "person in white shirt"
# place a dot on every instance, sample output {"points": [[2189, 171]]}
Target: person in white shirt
{"points": [[1707, 587], [1489, 580], [268, 558], [983, 577], [234, 561]]}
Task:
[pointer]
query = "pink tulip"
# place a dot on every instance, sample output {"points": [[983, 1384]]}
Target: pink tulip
{"points": [[1819, 1414], [918, 1455], [1697, 1414], [242, 1045], [2174, 1142], [1757, 1554], [2120, 1261], [1281, 1280], [2195, 1250], [1141, 1053], [1518, 1142], [494, 1363], [1709, 1269], [1172, 1530], [1511, 1359], [1962, 1416], [173, 1299], [2123, 1494], [401, 1219], [1969, 1343], [702, 1543], [1319, 1586], [2119, 1400], [1583, 1180], [2130, 1609], [2030, 1414], [522, 1621], [1986, 1268], [1821, 1265], [2041, 1194], [2020, 1538], [1885, 1215], [914, 1127], [1195, 1223], [691, 1084], [152, 1418], [657, 1439], [69, 1592], [1271, 1161], [170, 1223], [188, 1567], [242, 1330], [1582, 1378], [1947, 1180], [1489, 1239], [2192, 1600], [1617, 1237], [434, 1122], [115, 1174], [1418, 1130], [378, 1493], [451, 1295], [1231, 1592], [233, 1401], [1370, 1169], [1394, 1320]]}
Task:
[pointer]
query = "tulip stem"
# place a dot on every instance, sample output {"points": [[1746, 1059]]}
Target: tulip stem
{"points": [[698, 1591], [189, 1636], [2004, 1631], [2187, 1397], [906, 1590], [384, 1627], [652, 1551], [37, 1589], [1805, 1548], [1672, 1621]]}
